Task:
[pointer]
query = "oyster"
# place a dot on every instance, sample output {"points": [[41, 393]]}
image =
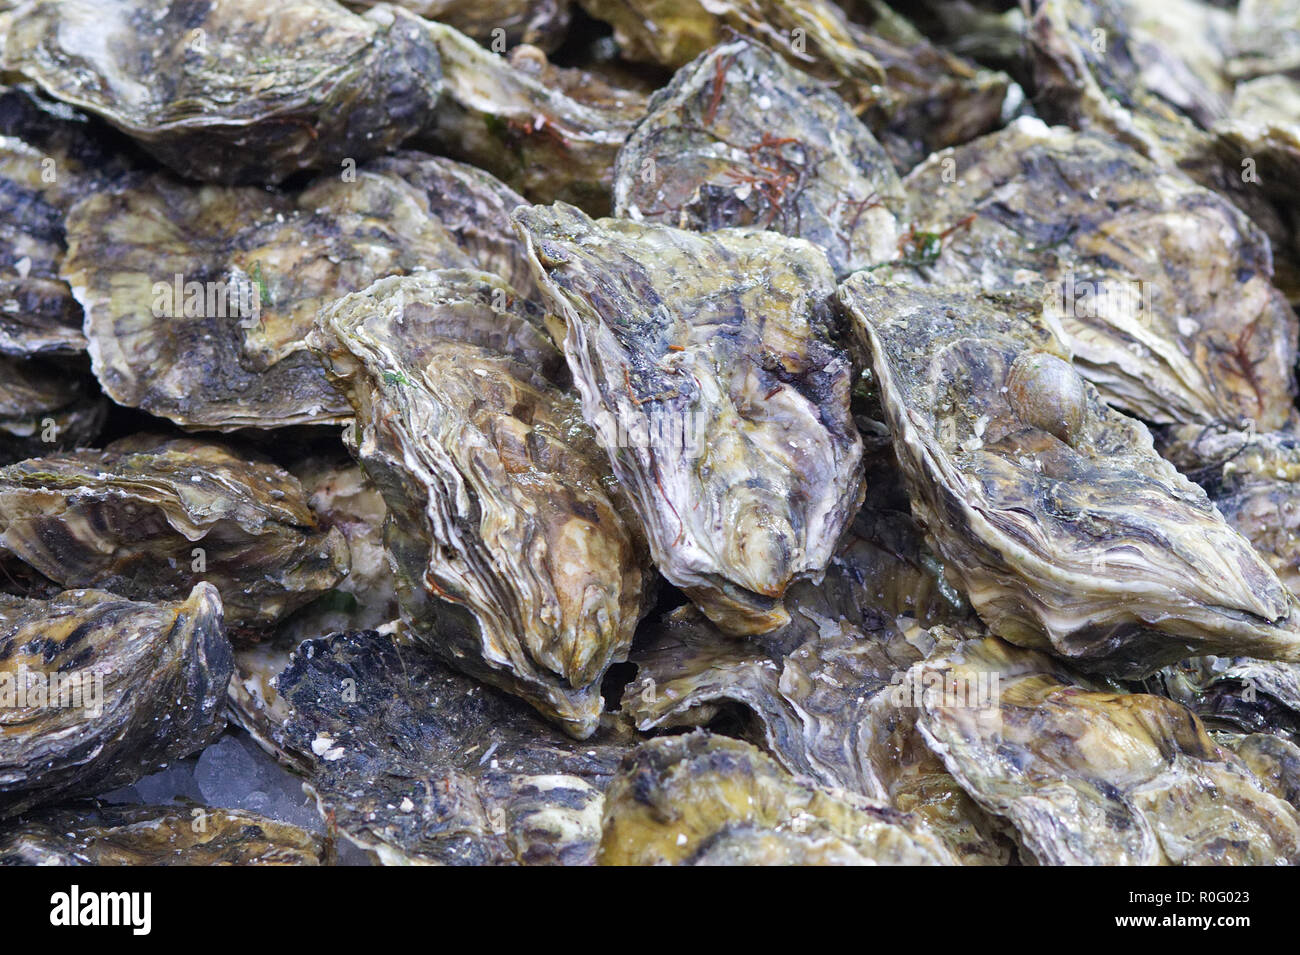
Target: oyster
{"points": [[707, 365], [497, 24], [1064, 526], [709, 800], [240, 91], [832, 710], [48, 160], [1275, 763], [1239, 695], [704, 158], [552, 133], [157, 835], [474, 206], [1100, 778], [1164, 286], [43, 408], [914, 96], [341, 496], [1266, 39], [149, 518], [512, 560], [98, 690], [1151, 76], [197, 300], [1253, 479], [422, 765]]}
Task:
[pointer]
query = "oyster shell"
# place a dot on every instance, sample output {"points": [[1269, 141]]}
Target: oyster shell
{"points": [[98, 691], [914, 96], [497, 24], [830, 710], [707, 365], [1241, 694], [701, 799], [512, 560], [1099, 66], [1266, 39], [43, 408], [157, 835], [552, 133], [1253, 479], [474, 206], [704, 158], [1100, 778], [1275, 763], [48, 160], [1065, 527], [149, 518], [219, 286], [341, 496], [422, 765], [241, 91], [1164, 286]]}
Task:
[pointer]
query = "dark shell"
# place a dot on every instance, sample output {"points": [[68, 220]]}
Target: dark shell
{"points": [[198, 299], [44, 408], [549, 132], [422, 765], [138, 685], [235, 91]]}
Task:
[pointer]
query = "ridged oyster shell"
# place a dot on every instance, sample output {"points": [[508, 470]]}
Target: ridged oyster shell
{"points": [[220, 285], [800, 163], [1100, 778], [834, 709], [1164, 287], [49, 158], [550, 132], [1064, 526], [513, 561], [706, 364], [157, 835], [149, 518], [150, 680], [702, 799], [915, 97], [236, 91]]}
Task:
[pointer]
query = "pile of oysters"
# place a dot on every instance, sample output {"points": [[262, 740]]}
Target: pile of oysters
{"points": [[685, 432]]}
